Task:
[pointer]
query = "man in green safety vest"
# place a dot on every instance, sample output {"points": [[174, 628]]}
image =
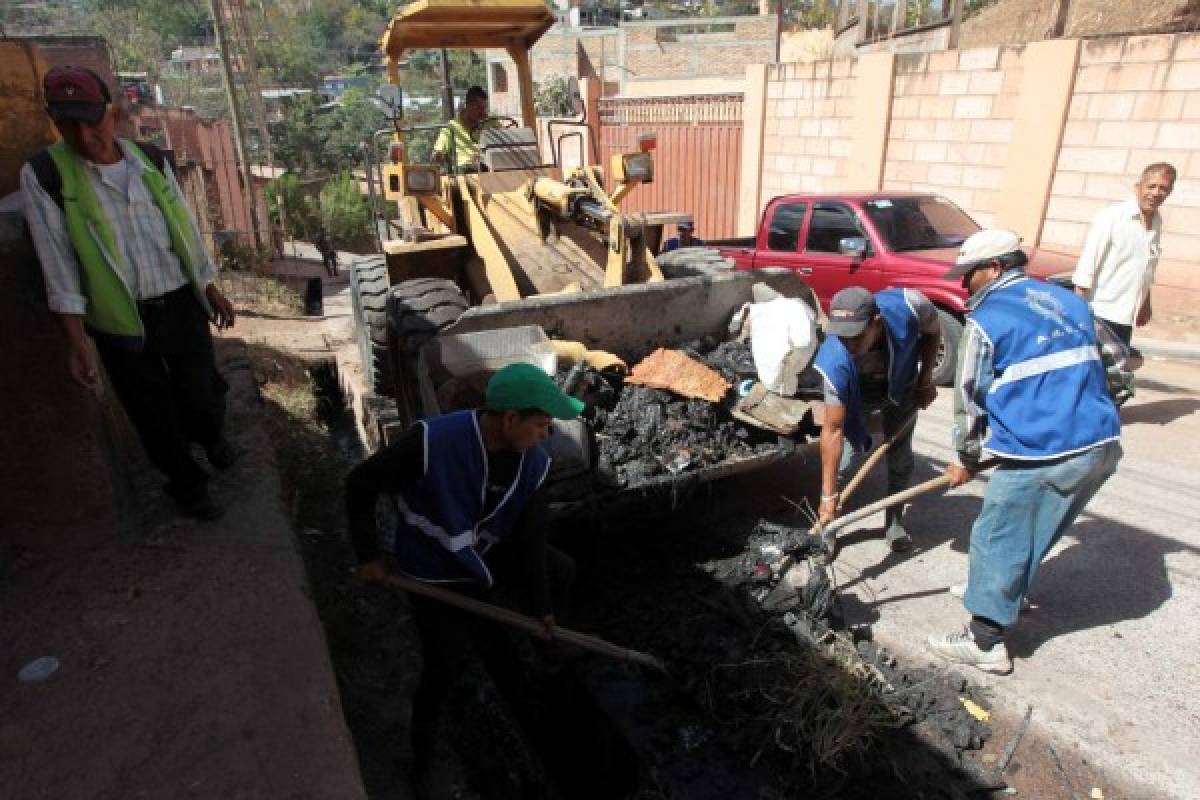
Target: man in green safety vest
{"points": [[124, 267], [460, 137]]}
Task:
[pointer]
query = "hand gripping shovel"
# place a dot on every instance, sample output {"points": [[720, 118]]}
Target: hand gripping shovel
{"points": [[932, 485], [822, 530]]}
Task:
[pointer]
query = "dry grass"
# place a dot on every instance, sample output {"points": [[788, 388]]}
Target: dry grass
{"points": [[259, 292], [1021, 21]]}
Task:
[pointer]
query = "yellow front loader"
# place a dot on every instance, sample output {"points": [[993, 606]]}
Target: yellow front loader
{"points": [[510, 224]]}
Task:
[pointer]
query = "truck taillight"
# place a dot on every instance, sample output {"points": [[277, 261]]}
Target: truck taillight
{"points": [[647, 142]]}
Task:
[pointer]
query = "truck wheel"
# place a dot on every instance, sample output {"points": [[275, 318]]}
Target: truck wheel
{"points": [[947, 355], [368, 294], [420, 309], [687, 262]]}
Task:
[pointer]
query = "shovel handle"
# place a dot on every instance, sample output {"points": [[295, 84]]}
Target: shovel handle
{"points": [[873, 459]]}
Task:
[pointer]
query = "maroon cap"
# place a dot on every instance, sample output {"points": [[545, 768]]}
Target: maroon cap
{"points": [[75, 93]]}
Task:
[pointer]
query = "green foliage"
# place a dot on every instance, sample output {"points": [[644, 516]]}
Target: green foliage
{"points": [[345, 213], [552, 97], [312, 139], [301, 210]]}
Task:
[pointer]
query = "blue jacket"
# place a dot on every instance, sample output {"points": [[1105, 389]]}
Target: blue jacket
{"points": [[902, 330], [442, 533], [1045, 395]]}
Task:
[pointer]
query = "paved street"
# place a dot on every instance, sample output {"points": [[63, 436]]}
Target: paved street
{"points": [[1107, 657]]}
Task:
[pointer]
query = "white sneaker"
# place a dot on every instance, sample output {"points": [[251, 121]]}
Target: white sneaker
{"points": [[959, 590], [960, 648]]}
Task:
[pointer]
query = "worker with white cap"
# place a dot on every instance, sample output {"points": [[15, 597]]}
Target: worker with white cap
{"points": [[1030, 392]]}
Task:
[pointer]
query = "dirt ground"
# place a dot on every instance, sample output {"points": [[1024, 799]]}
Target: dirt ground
{"points": [[191, 662]]}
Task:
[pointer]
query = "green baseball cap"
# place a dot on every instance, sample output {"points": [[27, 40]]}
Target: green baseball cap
{"points": [[521, 386]]}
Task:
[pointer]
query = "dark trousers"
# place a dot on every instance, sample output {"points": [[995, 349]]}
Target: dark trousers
{"points": [[330, 260], [445, 632], [171, 389], [1123, 332]]}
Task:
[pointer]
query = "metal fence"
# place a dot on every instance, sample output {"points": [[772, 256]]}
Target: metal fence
{"points": [[698, 161]]}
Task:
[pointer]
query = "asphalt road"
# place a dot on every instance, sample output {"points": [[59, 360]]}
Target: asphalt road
{"points": [[1107, 657]]}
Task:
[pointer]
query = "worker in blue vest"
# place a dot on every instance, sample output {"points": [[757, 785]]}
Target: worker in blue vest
{"points": [[1030, 392], [878, 354], [469, 516]]}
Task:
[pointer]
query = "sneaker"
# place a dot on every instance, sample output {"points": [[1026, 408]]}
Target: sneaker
{"points": [[221, 455], [898, 538], [959, 590], [960, 648]]}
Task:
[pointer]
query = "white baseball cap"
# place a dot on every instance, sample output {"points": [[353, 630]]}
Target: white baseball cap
{"points": [[986, 246]]}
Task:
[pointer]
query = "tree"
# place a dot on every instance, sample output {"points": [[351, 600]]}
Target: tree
{"points": [[303, 215], [345, 213], [345, 129]]}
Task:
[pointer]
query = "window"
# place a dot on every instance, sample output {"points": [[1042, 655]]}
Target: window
{"points": [[831, 222], [919, 223], [784, 233]]}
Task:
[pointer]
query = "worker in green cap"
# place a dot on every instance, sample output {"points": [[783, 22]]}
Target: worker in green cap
{"points": [[469, 516]]}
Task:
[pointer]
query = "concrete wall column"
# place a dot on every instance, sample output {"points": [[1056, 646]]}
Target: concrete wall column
{"points": [[872, 118], [1047, 82], [754, 110]]}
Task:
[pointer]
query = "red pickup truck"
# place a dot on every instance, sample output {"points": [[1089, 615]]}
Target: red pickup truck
{"points": [[878, 241]]}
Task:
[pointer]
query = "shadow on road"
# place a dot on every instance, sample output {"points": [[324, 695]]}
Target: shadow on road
{"points": [[1159, 412]]}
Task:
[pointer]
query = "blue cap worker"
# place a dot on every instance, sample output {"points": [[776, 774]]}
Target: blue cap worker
{"points": [[1030, 392], [470, 515], [879, 354], [683, 237]]}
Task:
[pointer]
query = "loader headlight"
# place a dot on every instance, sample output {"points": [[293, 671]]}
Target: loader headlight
{"points": [[639, 167]]}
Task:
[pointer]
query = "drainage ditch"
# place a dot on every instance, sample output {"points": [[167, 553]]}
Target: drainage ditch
{"points": [[764, 697]]}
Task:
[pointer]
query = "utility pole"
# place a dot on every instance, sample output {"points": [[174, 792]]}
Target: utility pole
{"points": [[447, 88], [778, 31], [235, 111], [1059, 26]]}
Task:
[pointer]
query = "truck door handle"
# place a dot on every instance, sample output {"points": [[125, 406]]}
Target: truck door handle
{"points": [[805, 270]]}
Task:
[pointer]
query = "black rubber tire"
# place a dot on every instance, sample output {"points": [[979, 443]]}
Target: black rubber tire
{"points": [[947, 357], [687, 262], [369, 296], [420, 309]]}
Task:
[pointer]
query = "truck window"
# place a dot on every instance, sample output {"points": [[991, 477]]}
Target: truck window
{"points": [[831, 222], [919, 223], [784, 232]]}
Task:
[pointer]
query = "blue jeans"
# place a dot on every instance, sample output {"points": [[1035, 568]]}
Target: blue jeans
{"points": [[899, 456], [1026, 510]]}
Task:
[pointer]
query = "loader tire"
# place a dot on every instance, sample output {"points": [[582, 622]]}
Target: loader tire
{"points": [[687, 262], [420, 309], [369, 296]]}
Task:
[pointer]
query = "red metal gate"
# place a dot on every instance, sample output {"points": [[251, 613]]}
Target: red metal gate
{"points": [[697, 166]]}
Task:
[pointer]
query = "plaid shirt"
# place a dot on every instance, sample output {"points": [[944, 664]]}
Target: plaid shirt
{"points": [[148, 266]]}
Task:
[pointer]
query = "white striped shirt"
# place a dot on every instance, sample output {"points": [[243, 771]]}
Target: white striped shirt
{"points": [[148, 266]]}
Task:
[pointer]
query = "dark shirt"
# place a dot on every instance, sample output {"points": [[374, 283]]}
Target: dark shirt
{"points": [[401, 465]]}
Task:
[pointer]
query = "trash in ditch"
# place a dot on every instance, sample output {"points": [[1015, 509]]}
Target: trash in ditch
{"points": [[38, 670], [975, 710]]}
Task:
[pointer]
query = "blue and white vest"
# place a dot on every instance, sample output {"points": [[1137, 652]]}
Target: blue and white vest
{"points": [[1048, 396], [902, 330], [442, 534], [904, 342]]}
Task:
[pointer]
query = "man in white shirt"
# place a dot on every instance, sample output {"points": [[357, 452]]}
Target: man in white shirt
{"points": [[1116, 268]]}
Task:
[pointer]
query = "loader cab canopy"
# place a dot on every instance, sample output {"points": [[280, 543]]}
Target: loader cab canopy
{"points": [[510, 25]]}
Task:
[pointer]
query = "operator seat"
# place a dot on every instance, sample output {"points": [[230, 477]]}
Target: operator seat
{"points": [[509, 148]]}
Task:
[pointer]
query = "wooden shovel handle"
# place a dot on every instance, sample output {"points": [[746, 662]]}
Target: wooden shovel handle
{"points": [[873, 459]]}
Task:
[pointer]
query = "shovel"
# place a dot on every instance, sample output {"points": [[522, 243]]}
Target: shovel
{"points": [[511, 618], [822, 530]]}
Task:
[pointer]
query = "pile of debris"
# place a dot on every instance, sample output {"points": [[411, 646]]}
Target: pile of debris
{"points": [[644, 432]]}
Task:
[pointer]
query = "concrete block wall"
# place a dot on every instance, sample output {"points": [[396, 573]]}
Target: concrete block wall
{"points": [[807, 126], [951, 125], [1136, 101], [1037, 138]]}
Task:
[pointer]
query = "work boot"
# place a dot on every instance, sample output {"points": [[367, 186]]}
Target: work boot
{"points": [[221, 454], [897, 538], [960, 648], [959, 590]]}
